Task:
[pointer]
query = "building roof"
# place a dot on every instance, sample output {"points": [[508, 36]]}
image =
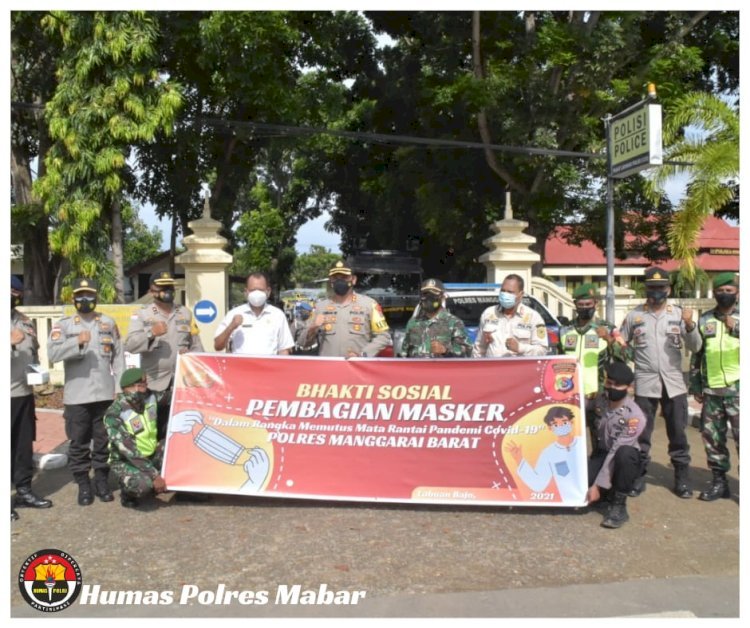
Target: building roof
{"points": [[718, 250]]}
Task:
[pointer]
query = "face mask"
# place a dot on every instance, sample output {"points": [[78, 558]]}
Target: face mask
{"points": [[656, 296], [615, 394], [507, 300], [341, 287], [257, 298], [585, 313], [137, 400], [165, 296], [725, 300], [562, 430], [85, 304], [429, 305]]}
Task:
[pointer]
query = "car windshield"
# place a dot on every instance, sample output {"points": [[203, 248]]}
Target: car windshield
{"points": [[469, 309]]}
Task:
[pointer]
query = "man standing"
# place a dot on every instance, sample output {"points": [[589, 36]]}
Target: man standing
{"points": [[510, 329], [589, 340], [159, 332], [256, 328], [88, 343], [615, 462], [435, 332], [135, 451], [347, 324], [715, 381], [23, 352], [656, 332]]}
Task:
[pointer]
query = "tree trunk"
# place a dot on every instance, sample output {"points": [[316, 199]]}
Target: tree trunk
{"points": [[117, 250]]}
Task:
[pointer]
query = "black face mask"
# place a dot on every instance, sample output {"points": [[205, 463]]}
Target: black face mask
{"points": [[429, 305], [165, 296], [657, 296], [341, 287], [85, 304], [585, 313], [615, 394], [137, 400], [725, 300]]}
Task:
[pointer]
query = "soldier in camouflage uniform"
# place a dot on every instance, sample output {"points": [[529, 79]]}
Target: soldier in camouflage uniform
{"points": [[88, 344], [715, 381], [135, 453], [435, 332]]}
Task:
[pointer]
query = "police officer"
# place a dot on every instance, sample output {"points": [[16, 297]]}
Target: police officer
{"points": [[589, 340], [135, 451], [302, 312], [510, 328], [615, 461], [23, 352], [715, 381], [656, 333], [88, 344], [159, 332], [347, 324], [435, 332]]}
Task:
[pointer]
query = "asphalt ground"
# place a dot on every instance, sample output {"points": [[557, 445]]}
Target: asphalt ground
{"points": [[675, 558]]}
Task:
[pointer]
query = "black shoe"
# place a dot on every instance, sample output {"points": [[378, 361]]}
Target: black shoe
{"points": [[26, 499], [639, 486], [682, 483], [617, 514], [85, 496], [719, 488], [13, 514], [128, 501], [101, 489], [198, 498]]}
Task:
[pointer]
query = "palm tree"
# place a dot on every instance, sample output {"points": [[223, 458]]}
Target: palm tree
{"points": [[702, 133]]}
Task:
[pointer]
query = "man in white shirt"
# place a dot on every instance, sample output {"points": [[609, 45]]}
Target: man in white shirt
{"points": [[256, 327]]}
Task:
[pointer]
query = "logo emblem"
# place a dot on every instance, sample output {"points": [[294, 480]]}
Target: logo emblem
{"points": [[49, 580]]}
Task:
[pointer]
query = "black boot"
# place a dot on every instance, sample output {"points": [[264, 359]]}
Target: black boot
{"points": [[719, 488], [127, 500], [617, 514], [682, 482], [26, 498], [85, 496], [101, 487], [639, 486]]}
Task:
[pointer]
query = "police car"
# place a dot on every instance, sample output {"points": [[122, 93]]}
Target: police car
{"points": [[467, 301]]}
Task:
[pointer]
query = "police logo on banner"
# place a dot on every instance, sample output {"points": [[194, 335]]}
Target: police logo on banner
{"points": [[50, 580]]}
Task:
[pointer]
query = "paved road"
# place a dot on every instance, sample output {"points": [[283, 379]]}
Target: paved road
{"points": [[675, 557]]}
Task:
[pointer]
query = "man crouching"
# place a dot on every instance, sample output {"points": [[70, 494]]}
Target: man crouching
{"points": [[614, 464], [135, 454]]}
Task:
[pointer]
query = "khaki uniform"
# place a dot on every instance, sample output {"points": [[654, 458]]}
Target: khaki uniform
{"points": [[526, 326], [159, 353], [23, 417], [22, 354], [358, 326]]}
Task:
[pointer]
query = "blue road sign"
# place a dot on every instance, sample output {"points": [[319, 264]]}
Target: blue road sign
{"points": [[205, 311]]}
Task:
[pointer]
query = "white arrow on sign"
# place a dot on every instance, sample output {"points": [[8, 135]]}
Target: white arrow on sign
{"points": [[205, 311]]}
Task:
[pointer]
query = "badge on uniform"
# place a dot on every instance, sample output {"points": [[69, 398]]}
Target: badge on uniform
{"points": [[357, 327], [710, 329], [571, 341], [136, 424], [541, 332], [56, 334], [592, 341]]}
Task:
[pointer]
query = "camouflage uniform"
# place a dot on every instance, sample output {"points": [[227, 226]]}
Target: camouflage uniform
{"points": [[445, 328], [135, 454]]}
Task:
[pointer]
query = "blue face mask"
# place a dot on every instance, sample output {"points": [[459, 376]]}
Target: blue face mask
{"points": [[507, 300], [562, 430]]}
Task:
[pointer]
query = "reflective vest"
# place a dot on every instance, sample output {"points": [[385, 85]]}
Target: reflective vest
{"points": [[143, 427], [721, 352], [586, 347]]}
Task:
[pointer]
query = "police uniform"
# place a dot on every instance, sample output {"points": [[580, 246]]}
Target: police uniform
{"points": [[135, 452], [715, 375], [657, 340], [442, 327], [91, 371], [357, 326], [22, 410], [526, 325]]}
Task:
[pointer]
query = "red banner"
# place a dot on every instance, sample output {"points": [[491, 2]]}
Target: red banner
{"points": [[486, 431]]}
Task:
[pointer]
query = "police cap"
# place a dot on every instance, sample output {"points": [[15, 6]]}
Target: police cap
{"points": [[162, 278], [432, 285], [620, 373], [725, 279], [585, 291], [340, 269], [131, 376], [84, 284], [656, 276]]}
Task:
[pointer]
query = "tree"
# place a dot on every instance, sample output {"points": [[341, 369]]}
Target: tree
{"points": [[139, 242], [313, 265], [701, 131], [109, 96]]}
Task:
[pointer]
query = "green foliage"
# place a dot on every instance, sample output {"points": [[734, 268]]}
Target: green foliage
{"points": [[313, 265], [139, 242]]}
